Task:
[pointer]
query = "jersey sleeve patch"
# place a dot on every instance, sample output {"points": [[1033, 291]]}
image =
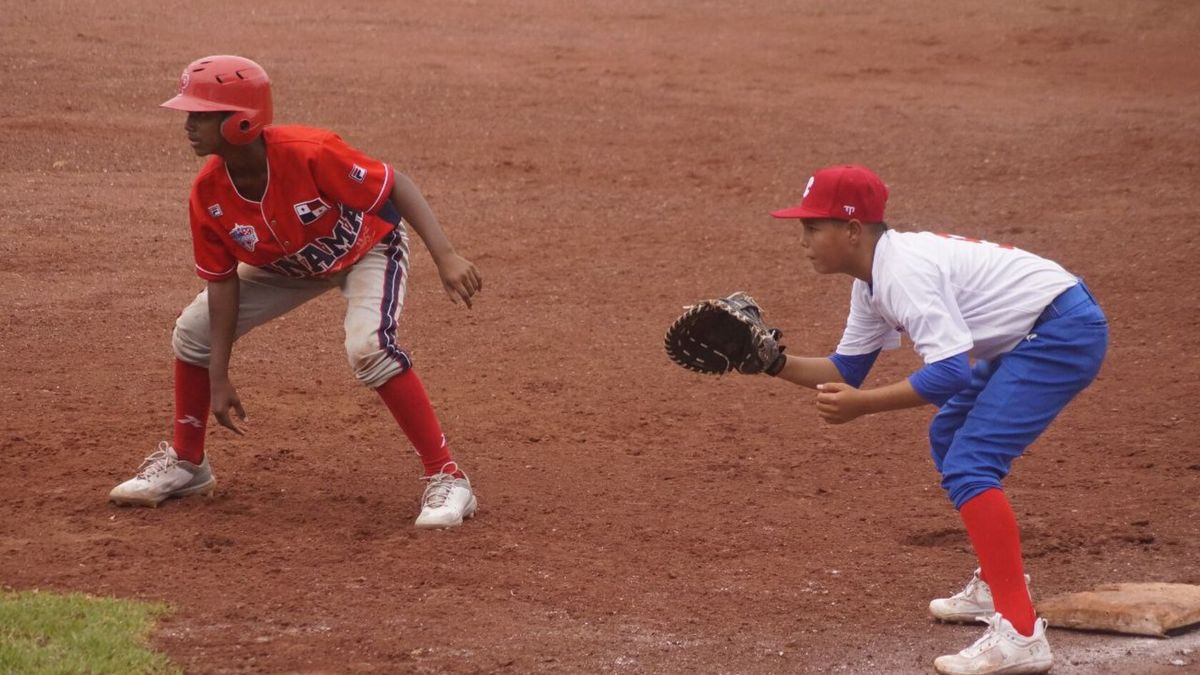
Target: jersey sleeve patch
{"points": [[350, 177], [214, 260]]}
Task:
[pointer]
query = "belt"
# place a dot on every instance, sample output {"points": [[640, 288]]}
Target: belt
{"points": [[1065, 302]]}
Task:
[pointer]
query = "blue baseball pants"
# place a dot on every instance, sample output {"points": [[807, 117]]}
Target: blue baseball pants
{"points": [[975, 436]]}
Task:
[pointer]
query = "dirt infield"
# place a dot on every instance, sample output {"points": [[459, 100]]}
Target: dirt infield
{"points": [[603, 167]]}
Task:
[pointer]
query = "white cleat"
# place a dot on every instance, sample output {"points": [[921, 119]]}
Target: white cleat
{"points": [[447, 500], [972, 603], [1001, 650], [162, 476]]}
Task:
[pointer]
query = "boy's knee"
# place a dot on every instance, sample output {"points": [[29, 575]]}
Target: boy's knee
{"points": [[962, 482], [941, 434], [360, 353], [373, 365], [963, 489], [190, 339]]}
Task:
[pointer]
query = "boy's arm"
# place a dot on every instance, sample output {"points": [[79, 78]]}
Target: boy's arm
{"points": [[223, 298], [459, 276], [838, 402], [809, 371], [934, 383]]}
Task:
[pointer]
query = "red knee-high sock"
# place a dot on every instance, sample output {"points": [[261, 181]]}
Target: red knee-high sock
{"points": [[993, 530], [191, 411], [405, 397]]}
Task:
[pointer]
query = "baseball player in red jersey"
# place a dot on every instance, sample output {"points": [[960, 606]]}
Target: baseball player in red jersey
{"points": [[280, 215], [1037, 338]]}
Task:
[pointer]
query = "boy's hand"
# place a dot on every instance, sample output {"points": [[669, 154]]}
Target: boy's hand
{"points": [[459, 278], [838, 402], [223, 396]]}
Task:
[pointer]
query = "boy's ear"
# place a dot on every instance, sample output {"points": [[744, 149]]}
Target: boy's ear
{"points": [[855, 228]]}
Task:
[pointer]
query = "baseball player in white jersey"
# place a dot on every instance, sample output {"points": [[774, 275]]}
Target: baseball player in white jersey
{"points": [[1036, 338]]}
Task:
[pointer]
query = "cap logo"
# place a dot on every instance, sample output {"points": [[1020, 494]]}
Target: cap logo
{"points": [[808, 188], [184, 80], [849, 209]]}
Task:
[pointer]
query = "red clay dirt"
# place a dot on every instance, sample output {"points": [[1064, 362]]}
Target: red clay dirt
{"points": [[603, 165]]}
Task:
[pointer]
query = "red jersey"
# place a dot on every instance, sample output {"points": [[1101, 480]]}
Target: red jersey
{"points": [[319, 215]]}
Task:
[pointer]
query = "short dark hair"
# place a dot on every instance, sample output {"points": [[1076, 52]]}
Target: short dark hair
{"points": [[878, 228]]}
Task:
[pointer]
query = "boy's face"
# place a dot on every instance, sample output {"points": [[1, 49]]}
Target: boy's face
{"points": [[827, 245], [204, 131]]}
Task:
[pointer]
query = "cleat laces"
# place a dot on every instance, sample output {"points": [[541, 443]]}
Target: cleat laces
{"points": [[158, 461], [988, 640], [972, 589], [438, 490]]}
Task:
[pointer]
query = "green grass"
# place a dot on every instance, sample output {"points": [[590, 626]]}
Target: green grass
{"points": [[50, 633]]}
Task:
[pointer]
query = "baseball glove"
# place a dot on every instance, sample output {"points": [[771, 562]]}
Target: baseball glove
{"points": [[718, 336]]}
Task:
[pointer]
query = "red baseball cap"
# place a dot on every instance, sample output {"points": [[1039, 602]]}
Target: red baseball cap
{"points": [[844, 192]]}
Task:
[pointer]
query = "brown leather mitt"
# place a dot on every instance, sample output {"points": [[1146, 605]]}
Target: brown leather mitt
{"points": [[719, 336]]}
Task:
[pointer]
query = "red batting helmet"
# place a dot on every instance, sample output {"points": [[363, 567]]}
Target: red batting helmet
{"points": [[227, 84]]}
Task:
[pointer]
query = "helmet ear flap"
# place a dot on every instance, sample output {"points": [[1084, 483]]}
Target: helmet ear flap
{"points": [[238, 129]]}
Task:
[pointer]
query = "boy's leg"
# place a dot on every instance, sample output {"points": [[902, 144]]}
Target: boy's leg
{"points": [[1029, 387], [262, 296], [374, 289], [992, 527], [973, 600], [953, 413], [406, 398], [191, 410], [180, 468]]}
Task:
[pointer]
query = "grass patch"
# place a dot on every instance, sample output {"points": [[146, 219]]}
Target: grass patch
{"points": [[51, 633]]}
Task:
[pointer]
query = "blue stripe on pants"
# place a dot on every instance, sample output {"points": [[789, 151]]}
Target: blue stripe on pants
{"points": [[1011, 400], [392, 278]]}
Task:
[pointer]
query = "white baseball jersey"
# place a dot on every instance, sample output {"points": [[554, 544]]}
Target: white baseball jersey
{"points": [[950, 295]]}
